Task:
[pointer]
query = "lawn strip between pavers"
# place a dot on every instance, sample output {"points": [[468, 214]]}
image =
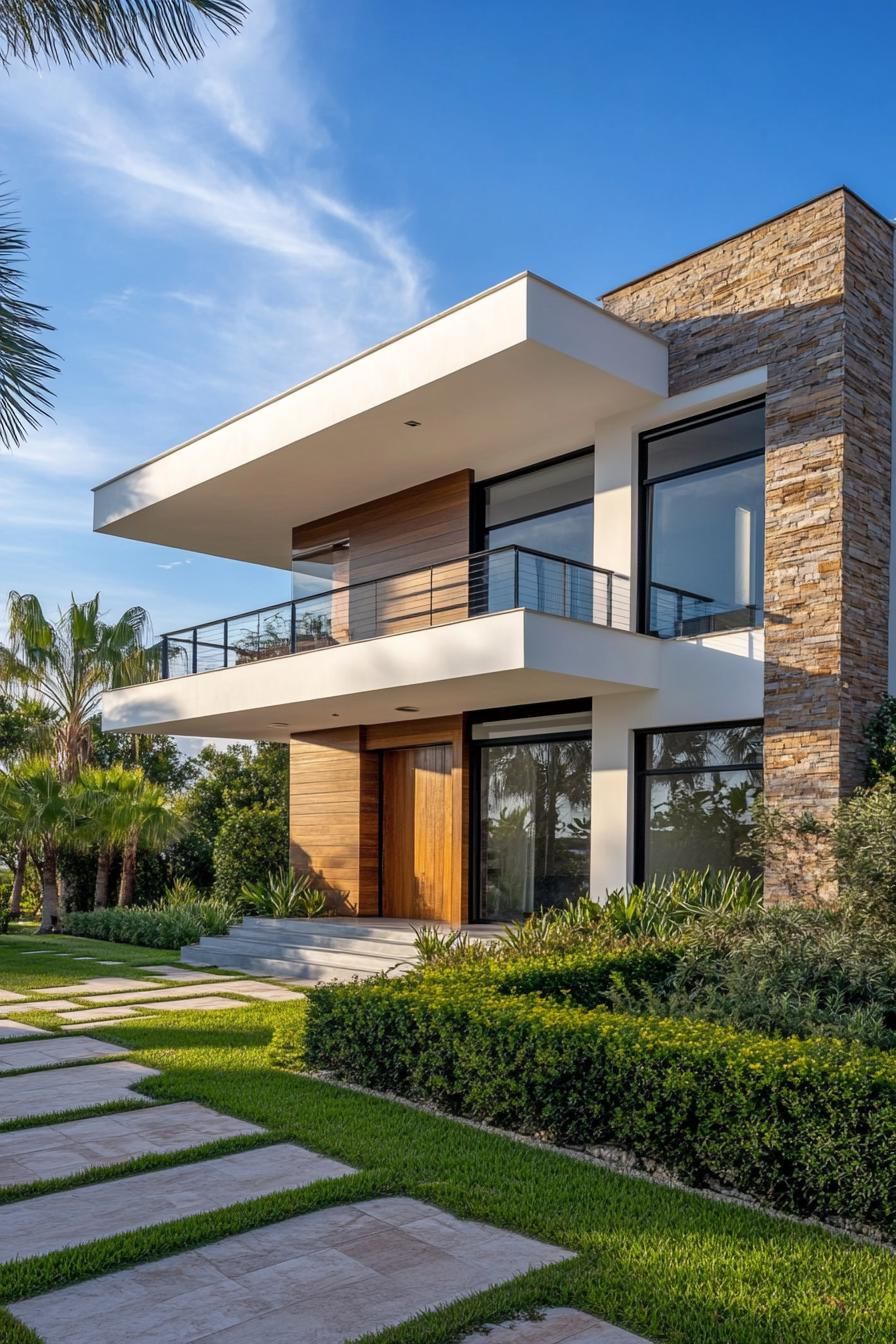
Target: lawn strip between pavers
{"points": [[132, 1166], [664, 1263], [76, 1113]]}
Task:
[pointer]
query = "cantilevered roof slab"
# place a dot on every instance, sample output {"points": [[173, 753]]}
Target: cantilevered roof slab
{"points": [[522, 372]]}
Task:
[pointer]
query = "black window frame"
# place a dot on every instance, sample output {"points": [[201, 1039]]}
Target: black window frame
{"points": [[477, 511], [645, 483], [642, 773], [475, 746]]}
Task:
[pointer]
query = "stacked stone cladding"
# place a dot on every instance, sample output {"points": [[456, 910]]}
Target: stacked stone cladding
{"points": [[808, 295]]}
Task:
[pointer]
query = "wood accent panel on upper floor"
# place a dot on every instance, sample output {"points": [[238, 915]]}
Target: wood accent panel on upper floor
{"points": [[419, 526]]}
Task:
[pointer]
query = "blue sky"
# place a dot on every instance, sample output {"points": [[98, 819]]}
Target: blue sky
{"points": [[212, 235]]}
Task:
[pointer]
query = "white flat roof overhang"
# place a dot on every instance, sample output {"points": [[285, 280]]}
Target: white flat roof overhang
{"points": [[509, 658], [520, 373]]}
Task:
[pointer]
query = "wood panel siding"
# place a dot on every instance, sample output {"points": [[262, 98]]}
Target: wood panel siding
{"points": [[334, 811], [423, 526], [334, 817]]}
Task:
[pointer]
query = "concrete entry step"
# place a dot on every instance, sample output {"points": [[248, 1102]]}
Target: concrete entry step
{"points": [[318, 949], [46, 1151], [89, 1212], [55, 1091], [328, 1276]]}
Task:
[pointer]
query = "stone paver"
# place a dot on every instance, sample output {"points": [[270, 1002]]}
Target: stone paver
{"points": [[61, 1150], [210, 1004], [44, 1006], [106, 1022], [9, 1028], [73, 1217], [325, 1277], [101, 984], [558, 1325], [251, 989], [180, 973], [9, 996], [98, 1014], [59, 1090], [54, 1050]]}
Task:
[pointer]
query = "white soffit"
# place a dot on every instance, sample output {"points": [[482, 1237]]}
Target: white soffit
{"points": [[515, 375]]}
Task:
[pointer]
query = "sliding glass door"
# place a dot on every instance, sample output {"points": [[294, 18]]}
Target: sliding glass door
{"points": [[534, 813]]}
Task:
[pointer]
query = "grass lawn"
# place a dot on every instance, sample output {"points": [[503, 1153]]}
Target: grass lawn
{"points": [[671, 1266]]}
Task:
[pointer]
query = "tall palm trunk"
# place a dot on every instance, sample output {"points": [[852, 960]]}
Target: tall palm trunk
{"points": [[128, 872], [49, 910], [18, 881], [103, 873]]}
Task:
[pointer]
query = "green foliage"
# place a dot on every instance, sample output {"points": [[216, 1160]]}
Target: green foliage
{"points": [[864, 846], [880, 738], [808, 1126], [660, 909], [181, 892], [160, 758], [4, 910], [787, 971], [168, 926], [253, 842], [284, 894]]}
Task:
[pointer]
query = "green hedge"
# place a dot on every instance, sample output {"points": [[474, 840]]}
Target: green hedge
{"points": [[808, 1126], [584, 978], [148, 926]]}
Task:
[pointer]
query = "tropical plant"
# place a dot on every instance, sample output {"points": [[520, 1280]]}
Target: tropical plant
{"points": [[181, 892], [144, 816], [39, 806], [863, 839], [284, 894], [660, 909], [69, 662], [433, 945], [251, 843], [53, 32], [25, 730], [103, 794]]}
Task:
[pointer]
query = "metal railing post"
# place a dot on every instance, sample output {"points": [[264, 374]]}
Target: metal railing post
{"points": [[165, 669], [516, 577], [226, 640], [195, 649], [292, 627], [609, 599]]}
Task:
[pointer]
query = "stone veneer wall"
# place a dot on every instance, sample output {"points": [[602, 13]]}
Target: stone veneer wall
{"points": [[810, 296]]}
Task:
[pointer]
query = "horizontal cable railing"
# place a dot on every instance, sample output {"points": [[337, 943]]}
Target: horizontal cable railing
{"points": [[474, 585], [677, 612]]}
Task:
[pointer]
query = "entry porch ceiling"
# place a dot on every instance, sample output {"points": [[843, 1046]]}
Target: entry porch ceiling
{"points": [[522, 372], [508, 658]]}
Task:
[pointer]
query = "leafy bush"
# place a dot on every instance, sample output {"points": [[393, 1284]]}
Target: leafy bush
{"points": [[284, 894], [153, 926], [787, 971], [5, 915], [864, 844], [253, 843], [808, 1126]]}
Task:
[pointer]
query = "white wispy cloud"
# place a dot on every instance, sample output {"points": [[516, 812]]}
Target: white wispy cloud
{"points": [[231, 153]]}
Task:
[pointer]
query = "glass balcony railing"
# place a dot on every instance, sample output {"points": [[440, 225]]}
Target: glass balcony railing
{"points": [[474, 585]]}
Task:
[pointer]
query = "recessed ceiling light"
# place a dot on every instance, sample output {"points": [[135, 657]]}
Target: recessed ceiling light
{"points": [[412, 424], [407, 709]]}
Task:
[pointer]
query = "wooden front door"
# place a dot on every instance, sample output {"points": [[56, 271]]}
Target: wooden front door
{"points": [[417, 832]]}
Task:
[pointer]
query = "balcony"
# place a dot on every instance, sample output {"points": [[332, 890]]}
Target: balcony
{"points": [[504, 579]]}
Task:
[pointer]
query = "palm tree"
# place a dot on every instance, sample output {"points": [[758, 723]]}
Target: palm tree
{"points": [[101, 792], [54, 32], [25, 730], [143, 816], [68, 663], [39, 806]]}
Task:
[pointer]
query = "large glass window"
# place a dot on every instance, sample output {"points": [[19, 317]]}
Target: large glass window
{"points": [[548, 509], [703, 493], [534, 812], [697, 789]]}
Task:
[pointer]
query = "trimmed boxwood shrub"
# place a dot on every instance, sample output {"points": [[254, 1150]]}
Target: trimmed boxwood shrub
{"points": [[150, 926], [808, 1126], [586, 978]]}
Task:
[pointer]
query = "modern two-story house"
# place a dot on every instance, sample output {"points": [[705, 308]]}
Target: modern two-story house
{"points": [[571, 581]]}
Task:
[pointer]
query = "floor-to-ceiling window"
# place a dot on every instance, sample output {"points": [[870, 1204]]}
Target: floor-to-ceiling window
{"points": [[533, 777], [696, 791], [703, 520], [549, 509]]}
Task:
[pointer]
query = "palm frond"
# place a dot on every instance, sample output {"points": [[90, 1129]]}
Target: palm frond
{"points": [[112, 32], [26, 364]]}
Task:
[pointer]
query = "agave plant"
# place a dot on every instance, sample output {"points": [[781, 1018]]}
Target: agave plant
{"points": [[284, 895]]}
